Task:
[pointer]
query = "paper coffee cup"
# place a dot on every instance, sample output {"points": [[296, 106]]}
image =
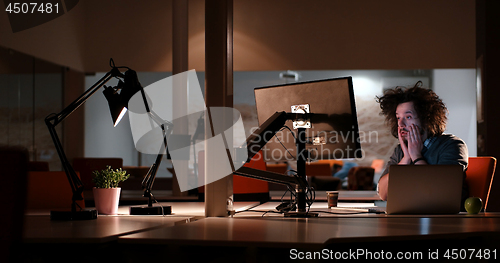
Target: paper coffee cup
{"points": [[333, 198]]}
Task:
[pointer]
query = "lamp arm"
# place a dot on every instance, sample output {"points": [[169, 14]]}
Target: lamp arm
{"points": [[59, 117], [161, 122], [75, 183], [166, 127], [290, 181], [147, 182], [54, 119]]}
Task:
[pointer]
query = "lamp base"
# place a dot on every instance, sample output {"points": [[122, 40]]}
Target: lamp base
{"points": [[300, 214], [150, 210], [86, 214]]}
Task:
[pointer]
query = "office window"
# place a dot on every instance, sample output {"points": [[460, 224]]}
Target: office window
{"points": [[31, 89]]}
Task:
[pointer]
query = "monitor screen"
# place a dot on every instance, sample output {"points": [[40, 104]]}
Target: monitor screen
{"points": [[332, 129]]}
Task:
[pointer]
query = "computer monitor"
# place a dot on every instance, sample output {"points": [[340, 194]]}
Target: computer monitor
{"points": [[332, 129]]}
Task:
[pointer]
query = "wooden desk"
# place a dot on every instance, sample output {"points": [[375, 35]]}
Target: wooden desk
{"points": [[188, 237], [40, 229], [97, 240], [314, 232], [45, 240], [269, 239]]}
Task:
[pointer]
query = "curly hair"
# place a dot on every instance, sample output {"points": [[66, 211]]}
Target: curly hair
{"points": [[429, 107]]}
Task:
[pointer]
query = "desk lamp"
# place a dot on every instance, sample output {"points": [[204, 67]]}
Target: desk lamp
{"points": [[118, 106], [147, 182], [116, 102]]}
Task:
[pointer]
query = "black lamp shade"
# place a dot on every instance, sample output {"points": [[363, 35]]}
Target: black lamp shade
{"points": [[116, 107], [130, 87], [118, 102]]}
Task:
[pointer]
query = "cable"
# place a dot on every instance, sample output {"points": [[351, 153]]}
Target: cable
{"points": [[112, 64], [292, 193], [293, 157], [309, 191], [295, 138], [259, 211], [286, 127], [340, 213], [162, 209]]}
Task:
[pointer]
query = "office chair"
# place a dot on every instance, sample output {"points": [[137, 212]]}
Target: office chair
{"points": [[249, 189], [479, 177], [244, 188], [49, 190], [360, 178]]}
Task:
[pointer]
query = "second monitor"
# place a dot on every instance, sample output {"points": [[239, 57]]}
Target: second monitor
{"points": [[331, 129]]}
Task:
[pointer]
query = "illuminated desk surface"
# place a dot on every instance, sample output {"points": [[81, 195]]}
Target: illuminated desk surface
{"points": [[38, 228], [275, 195], [274, 230], [187, 234], [314, 232], [269, 229]]}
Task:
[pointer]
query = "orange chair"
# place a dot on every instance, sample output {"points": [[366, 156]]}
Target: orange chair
{"points": [[332, 163], [50, 190], [244, 188], [280, 168], [480, 173], [248, 189], [320, 176]]}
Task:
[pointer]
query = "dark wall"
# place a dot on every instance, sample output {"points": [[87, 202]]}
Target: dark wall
{"points": [[488, 55]]}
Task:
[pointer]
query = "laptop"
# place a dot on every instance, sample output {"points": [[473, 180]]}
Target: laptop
{"points": [[424, 189]]}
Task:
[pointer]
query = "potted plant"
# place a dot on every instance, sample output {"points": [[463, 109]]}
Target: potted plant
{"points": [[106, 190]]}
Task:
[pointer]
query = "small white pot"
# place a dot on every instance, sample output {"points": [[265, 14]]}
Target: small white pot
{"points": [[106, 200]]}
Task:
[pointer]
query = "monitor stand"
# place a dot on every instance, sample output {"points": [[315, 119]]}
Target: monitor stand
{"points": [[302, 155]]}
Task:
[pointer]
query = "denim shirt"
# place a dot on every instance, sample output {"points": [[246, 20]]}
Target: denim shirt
{"points": [[444, 149]]}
